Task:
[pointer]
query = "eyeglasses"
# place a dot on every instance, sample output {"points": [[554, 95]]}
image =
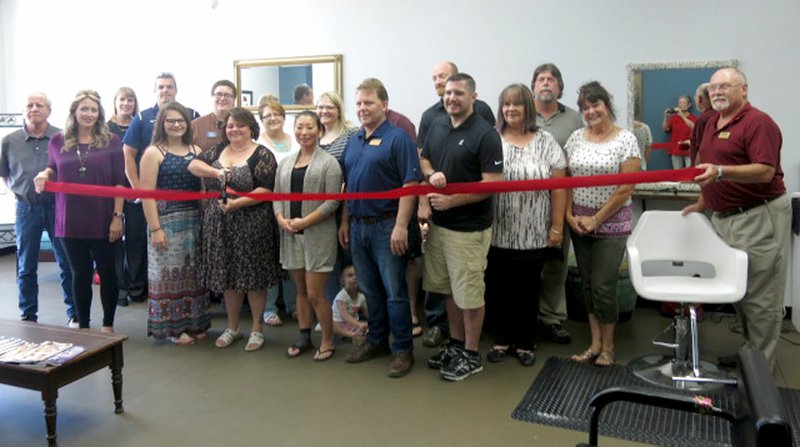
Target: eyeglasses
{"points": [[223, 95], [724, 87], [271, 115], [173, 122]]}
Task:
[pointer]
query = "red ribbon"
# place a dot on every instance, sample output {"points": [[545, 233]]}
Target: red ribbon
{"points": [[680, 175]]}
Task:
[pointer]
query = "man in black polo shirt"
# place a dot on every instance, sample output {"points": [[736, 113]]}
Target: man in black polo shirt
{"points": [[461, 147], [434, 303]]}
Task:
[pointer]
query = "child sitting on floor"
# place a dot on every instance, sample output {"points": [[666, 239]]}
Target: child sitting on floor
{"points": [[347, 305]]}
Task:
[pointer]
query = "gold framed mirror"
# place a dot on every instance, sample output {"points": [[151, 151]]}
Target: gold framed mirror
{"points": [[295, 81]]}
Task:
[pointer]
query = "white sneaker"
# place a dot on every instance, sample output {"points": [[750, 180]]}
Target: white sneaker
{"points": [[317, 328], [73, 323]]}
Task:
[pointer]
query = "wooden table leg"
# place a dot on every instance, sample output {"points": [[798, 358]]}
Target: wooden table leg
{"points": [[116, 378], [49, 398]]}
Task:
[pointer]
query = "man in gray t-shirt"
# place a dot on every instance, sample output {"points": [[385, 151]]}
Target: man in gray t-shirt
{"points": [[560, 120], [23, 155]]}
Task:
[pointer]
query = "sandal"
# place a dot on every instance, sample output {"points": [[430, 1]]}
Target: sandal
{"points": [[526, 358], [254, 342], [227, 338], [323, 355], [605, 359], [416, 329], [497, 354], [203, 336], [586, 356], [273, 320], [182, 340], [299, 347]]}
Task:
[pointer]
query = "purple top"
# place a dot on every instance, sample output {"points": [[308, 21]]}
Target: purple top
{"points": [[85, 217]]}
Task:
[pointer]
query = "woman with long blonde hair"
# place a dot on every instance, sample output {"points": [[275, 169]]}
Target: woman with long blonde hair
{"points": [[86, 152]]}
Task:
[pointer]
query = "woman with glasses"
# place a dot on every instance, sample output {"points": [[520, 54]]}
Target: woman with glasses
{"points": [[338, 130], [86, 152], [600, 217], [273, 118], [177, 308], [239, 235]]}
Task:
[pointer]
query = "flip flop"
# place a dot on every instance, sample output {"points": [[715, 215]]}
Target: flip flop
{"points": [[183, 340], [299, 348], [273, 320], [416, 329], [321, 356], [605, 359]]}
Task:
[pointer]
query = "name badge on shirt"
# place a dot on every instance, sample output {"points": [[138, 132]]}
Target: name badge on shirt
{"points": [[375, 142], [212, 134], [724, 135]]}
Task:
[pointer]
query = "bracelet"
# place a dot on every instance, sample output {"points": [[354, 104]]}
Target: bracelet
{"points": [[157, 229], [555, 231]]}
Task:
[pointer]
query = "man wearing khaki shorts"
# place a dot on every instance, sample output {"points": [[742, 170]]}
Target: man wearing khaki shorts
{"points": [[461, 147]]}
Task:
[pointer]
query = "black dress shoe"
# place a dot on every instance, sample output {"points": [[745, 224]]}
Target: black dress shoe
{"points": [[122, 302], [139, 298]]}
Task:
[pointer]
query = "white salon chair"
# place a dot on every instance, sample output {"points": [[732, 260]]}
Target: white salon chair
{"points": [[682, 259]]}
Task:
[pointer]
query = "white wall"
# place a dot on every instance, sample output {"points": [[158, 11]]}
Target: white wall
{"points": [[61, 46]]}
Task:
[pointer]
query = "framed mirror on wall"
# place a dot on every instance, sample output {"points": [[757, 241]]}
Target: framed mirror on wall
{"points": [[654, 88], [295, 81]]}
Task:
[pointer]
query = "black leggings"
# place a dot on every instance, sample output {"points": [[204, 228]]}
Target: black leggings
{"points": [[82, 254], [512, 295]]}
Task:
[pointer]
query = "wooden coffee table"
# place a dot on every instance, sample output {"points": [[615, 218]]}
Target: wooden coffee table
{"points": [[101, 350]]}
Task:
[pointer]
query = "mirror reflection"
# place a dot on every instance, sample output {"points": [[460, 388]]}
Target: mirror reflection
{"points": [[295, 82], [661, 98]]}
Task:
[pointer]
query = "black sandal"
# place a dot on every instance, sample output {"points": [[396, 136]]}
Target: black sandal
{"points": [[498, 355], [300, 346]]}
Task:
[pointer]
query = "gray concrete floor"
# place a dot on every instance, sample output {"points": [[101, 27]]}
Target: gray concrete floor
{"points": [[201, 395]]}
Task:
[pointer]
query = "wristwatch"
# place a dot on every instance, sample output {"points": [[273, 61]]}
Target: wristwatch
{"points": [[719, 173], [120, 215]]}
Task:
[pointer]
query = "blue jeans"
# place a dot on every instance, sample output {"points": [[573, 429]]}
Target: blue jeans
{"points": [[382, 278], [287, 291], [31, 220]]}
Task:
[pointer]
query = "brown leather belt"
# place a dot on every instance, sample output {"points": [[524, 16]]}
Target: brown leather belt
{"points": [[743, 208], [369, 220]]}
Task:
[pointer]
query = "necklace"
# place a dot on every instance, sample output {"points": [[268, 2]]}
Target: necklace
{"points": [[599, 138], [82, 160]]}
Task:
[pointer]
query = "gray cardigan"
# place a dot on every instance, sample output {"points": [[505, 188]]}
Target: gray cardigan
{"points": [[322, 176]]}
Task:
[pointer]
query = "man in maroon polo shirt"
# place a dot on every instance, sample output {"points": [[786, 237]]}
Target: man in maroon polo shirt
{"points": [[742, 183]]}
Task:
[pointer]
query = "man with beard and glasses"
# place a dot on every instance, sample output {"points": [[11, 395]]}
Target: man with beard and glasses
{"points": [[742, 183], [552, 116], [137, 139], [461, 147]]}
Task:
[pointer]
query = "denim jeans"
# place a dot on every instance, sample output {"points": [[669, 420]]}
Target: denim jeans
{"points": [[288, 294], [382, 278], [31, 220]]}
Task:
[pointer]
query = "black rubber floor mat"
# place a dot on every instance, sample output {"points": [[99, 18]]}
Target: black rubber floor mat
{"points": [[560, 395]]}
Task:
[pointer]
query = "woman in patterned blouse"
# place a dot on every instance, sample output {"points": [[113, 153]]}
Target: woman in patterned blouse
{"points": [[525, 225], [600, 217]]}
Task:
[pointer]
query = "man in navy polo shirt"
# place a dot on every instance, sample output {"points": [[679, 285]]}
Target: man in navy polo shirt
{"points": [[137, 139], [461, 147], [380, 157]]}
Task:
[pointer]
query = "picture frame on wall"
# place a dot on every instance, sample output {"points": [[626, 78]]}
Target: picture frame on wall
{"points": [[247, 98]]}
